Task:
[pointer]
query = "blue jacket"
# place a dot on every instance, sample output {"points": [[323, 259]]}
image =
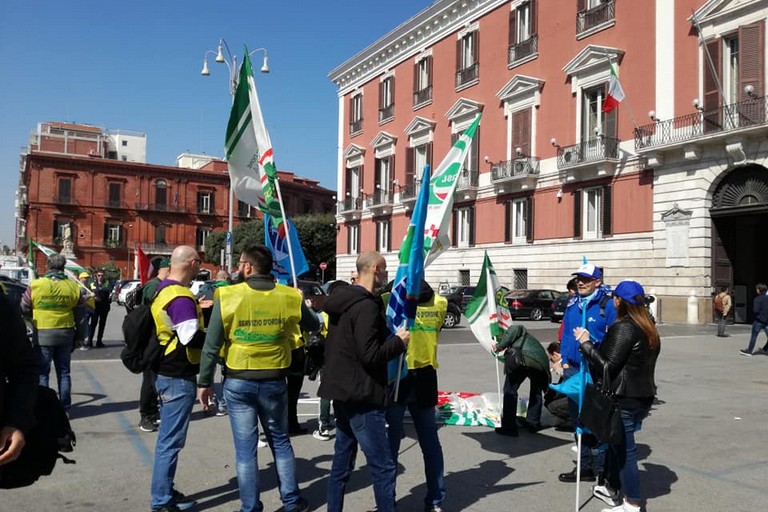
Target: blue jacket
{"points": [[597, 325], [760, 308]]}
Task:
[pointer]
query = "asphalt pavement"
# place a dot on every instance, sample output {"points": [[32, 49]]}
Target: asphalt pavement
{"points": [[702, 448]]}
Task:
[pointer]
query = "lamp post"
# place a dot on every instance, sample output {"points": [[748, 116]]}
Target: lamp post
{"points": [[231, 62]]}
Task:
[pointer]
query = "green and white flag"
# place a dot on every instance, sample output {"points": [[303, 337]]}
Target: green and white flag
{"points": [[441, 191], [70, 265], [487, 311], [31, 261], [252, 170]]}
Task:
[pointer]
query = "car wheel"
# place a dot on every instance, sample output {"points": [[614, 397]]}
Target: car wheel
{"points": [[450, 320], [536, 314]]}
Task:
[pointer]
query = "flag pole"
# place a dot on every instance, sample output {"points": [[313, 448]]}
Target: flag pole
{"points": [[287, 226]]}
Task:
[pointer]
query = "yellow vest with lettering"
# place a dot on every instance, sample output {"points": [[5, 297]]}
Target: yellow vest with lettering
{"points": [[260, 326], [422, 349], [164, 324], [52, 303]]}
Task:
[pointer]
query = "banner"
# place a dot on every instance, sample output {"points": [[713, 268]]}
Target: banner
{"points": [[277, 242], [487, 312]]}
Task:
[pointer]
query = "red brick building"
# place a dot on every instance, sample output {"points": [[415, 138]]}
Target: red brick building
{"points": [[80, 181]]}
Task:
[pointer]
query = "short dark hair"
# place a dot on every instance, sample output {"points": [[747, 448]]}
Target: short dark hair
{"points": [[336, 285], [260, 257], [761, 288], [553, 348], [572, 285]]}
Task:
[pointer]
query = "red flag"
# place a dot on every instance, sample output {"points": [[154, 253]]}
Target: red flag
{"points": [[145, 269]]}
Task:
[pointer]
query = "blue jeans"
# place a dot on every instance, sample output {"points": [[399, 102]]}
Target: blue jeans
{"points": [[177, 396], [357, 423], [62, 357], [624, 456], [248, 402], [757, 326], [429, 442]]}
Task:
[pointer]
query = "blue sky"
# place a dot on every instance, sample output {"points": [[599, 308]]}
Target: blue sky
{"points": [[136, 66]]}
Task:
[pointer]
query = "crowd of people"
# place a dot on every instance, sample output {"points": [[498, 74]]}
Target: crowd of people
{"points": [[255, 331]]}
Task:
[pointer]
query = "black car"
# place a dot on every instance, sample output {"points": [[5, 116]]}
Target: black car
{"points": [[453, 315], [460, 295], [558, 307], [314, 292], [533, 304]]}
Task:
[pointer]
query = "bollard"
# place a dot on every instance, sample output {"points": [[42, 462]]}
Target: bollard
{"points": [[693, 308]]}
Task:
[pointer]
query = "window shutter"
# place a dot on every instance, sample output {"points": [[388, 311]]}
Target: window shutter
{"points": [[106, 232], [376, 172], [607, 213], [529, 220], [751, 58], [389, 235], [476, 49], [429, 155], [512, 27], [454, 228], [213, 197], [359, 238], [377, 225], [415, 79], [471, 226], [609, 123], [711, 93], [507, 221], [391, 92], [410, 166], [474, 155], [123, 234], [534, 17], [521, 132], [349, 239], [392, 173], [581, 5], [381, 94], [458, 54], [429, 71], [577, 214]]}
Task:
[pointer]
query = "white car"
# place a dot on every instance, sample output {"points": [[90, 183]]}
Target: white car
{"points": [[127, 287]]}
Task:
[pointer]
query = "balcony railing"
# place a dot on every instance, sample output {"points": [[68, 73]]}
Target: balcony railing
{"points": [[380, 197], [159, 207], [410, 191], [65, 200], [592, 150], [205, 210], [422, 96], [115, 204], [114, 244], [468, 74], [387, 112], [523, 49], [157, 247], [355, 126], [596, 16], [467, 179], [514, 169], [745, 114], [350, 204]]}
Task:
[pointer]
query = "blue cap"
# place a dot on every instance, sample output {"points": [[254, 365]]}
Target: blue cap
{"points": [[588, 270], [629, 291]]}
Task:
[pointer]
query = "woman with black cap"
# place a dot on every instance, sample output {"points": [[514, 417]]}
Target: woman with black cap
{"points": [[628, 355]]}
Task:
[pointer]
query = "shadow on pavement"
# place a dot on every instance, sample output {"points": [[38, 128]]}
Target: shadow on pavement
{"points": [[87, 408], [220, 495], [526, 444]]}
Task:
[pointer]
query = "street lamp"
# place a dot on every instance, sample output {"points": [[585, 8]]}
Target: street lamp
{"points": [[231, 62]]}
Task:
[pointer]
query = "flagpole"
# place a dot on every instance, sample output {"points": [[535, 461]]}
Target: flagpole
{"points": [[287, 230]]}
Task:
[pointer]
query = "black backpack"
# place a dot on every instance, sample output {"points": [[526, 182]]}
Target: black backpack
{"points": [[142, 348], [315, 355], [51, 435], [134, 298]]}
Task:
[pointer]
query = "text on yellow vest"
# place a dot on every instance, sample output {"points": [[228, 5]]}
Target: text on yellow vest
{"points": [[52, 303]]}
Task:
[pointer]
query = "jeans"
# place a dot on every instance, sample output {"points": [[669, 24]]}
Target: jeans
{"points": [[757, 326], [177, 396], [294, 383], [99, 318], [429, 442], [538, 381], [624, 456], [325, 415], [219, 390], [722, 321], [364, 424], [61, 355], [148, 395], [248, 402]]}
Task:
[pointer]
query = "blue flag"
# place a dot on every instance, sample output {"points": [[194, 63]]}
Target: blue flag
{"points": [[275, 240], [406, 287]]}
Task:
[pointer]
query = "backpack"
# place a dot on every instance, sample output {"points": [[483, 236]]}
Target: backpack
{"points": [[51, 435], [315, 355], [133, 298], [719, 302], [142, 349]]}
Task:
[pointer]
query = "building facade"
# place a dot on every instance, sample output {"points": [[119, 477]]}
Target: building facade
{"points": [[77, 195], [670, 188]]}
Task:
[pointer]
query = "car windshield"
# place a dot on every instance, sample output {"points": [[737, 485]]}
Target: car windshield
{"points": [[518, 294]]}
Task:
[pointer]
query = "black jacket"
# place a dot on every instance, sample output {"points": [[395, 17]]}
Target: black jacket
{"points": [[760, 308], [628, 359], [357, 348]]}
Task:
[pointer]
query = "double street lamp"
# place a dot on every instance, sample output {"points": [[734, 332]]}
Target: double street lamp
{"points": [[231, 62]]}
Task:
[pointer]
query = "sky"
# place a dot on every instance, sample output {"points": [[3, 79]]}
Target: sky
{"points": [[136, 66]]}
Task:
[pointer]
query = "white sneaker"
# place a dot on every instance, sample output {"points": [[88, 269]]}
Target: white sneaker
{"points": [[607, 495], [624, 507]]}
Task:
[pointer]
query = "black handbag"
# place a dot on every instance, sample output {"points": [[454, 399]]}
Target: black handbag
{"points": [[600, 412], [513, 359]]}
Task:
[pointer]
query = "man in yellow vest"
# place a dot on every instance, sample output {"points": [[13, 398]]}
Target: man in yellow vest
{"points": [[253, 325], [52, 300], [418, 392], [179, 324]]}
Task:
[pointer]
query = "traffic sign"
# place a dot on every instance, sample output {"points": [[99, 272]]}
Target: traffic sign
{"points": [[323, 265]]}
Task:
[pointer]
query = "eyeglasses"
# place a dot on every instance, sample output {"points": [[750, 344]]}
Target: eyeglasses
{"points": [[584, 279], [243, 262]]}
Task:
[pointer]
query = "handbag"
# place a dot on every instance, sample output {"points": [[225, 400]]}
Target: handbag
{"points": [[600, 412], [513, 359]]}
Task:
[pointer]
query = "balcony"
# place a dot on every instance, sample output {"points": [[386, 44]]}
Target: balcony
{"points": [[355, 127], [600, 155], [157, 248], [159, 207], [422, 97], [467, 184], [523, 51], [66, 201], [115, 205], [692, 130], [205, 210], [468, 75], [386, 113], [350, 208], [114, 244], [380, 202], [409, 193], [595, 19], [516, 174]]}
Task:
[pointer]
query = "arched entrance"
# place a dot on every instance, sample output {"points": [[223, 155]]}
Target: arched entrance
{"points": [[740, 235]]}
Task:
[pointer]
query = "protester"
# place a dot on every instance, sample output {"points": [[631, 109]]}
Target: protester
{"points": [[255, 387], [52, 300], [84, 314], [357, 351], [573, 289], [19, 375], [760, 323], [418, 392], [534, 367], [722, 306], [205, 299], [557, 403], [628, 355], [148, 402], [102, 290], [592, 306], [179, 325], [295, 379]]}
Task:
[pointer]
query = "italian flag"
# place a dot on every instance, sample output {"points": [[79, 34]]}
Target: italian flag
{"points": [[615, 92], [487, 311]]}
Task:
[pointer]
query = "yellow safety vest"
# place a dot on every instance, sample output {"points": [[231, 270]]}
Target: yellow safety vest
{"points": [[52, 303], [422, 349], [164, 324], [260, 326]]}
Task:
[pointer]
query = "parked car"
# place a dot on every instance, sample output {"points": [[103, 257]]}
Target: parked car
{"points": [[534, 304], [460, 294], [116, 289], [313, 291], [453, 315], [14, 288], [125, 288], [558, 307]]}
